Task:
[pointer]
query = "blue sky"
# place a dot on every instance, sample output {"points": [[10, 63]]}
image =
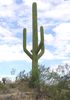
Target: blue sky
{"points": [[15, 15]]}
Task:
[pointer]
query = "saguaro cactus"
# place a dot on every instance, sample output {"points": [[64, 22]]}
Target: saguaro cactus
{"points": [[38, 49]]}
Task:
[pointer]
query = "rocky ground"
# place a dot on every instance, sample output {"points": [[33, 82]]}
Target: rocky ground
{"points": [[15, 94]]}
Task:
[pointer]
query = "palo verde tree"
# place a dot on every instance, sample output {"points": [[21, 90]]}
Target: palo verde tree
{"points": [[38, 49]]}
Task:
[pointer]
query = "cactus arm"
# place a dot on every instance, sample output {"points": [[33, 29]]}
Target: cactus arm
{"points": [[38, 49], [41, 53], [42, 35], [42, 39], [24, 44], [41, 46]]}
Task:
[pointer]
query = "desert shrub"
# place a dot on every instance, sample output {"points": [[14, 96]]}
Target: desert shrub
{"points": [[2, 86]]}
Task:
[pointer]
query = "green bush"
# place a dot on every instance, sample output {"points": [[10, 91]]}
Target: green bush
{"points": [[2, 86]]}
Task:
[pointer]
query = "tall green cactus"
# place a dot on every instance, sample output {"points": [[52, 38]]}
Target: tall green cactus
{"points": [[37, 50]]}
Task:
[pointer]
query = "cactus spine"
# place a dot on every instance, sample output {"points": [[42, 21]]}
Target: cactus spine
{"points": [[37, 50]]}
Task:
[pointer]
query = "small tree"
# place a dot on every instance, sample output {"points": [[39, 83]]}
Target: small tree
{"points": [[4, 80]]}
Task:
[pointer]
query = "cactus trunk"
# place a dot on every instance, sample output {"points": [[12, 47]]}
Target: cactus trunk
{"points": [[35, 73], [37, 50], [35, 42]]}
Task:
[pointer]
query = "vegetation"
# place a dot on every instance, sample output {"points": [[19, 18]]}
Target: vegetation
{"points": [[37, 50], [52, 85]]}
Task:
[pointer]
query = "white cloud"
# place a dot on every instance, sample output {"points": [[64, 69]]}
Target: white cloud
{"points": [[12, 53], [55, 1], [47, 55], [63, 31], [61, 42], [67, 49], [6, 2], [61, 11], [62, 36], [66, 62], [48, 38], [10, 40], [7, 11], [4, 32]]}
